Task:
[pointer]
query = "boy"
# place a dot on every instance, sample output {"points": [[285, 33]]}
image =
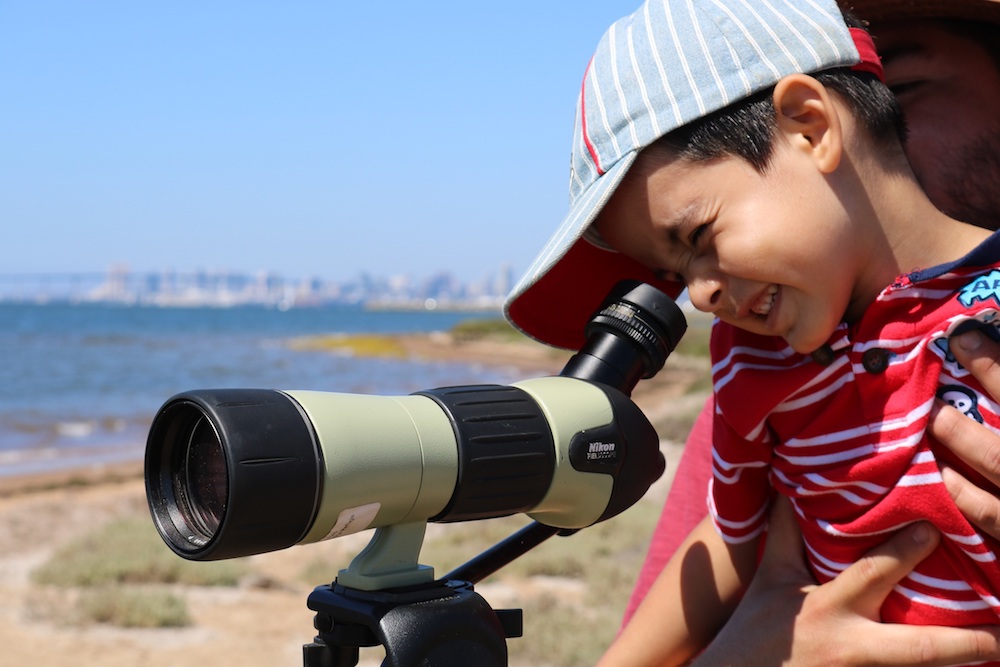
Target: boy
{"points": [[788, 214]]}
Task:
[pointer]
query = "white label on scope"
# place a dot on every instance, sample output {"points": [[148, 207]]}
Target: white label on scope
{"points": [[354, 520]]}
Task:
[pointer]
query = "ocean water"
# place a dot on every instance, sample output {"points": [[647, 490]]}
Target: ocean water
{"points": [[79, 384]]}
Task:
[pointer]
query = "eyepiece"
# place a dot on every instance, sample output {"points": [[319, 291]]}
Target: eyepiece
{"points": [[629, 337]]}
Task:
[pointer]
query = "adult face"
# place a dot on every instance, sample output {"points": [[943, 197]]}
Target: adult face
{"points": [[949, 88]]}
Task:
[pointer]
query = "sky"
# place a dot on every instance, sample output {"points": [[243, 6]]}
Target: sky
{"points": [[307, 138]]}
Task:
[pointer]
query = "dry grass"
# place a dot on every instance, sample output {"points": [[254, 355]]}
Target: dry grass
{"points": [[134, 607], [120, 570], [572, 589], [128, 551]]}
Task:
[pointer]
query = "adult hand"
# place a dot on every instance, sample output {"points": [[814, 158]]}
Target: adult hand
{"points": [[975, 444], [786, 619]]}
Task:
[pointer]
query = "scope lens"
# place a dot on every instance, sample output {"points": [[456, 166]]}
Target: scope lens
{"points": [[203, 479], [232, 472]]}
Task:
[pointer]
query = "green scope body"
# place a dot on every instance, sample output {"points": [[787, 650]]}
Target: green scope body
{"points": [[235, 472]]}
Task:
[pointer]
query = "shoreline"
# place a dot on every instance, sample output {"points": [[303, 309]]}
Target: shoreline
{"points": [[92, 474], [95, 464]]}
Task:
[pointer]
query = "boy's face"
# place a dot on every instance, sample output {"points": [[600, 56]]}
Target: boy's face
{"points": [[771, 253]]}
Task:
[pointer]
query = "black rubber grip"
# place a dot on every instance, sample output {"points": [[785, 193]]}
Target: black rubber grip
{"points": [[506, 455]]}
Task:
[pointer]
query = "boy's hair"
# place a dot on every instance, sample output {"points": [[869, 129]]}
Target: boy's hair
{"points": [[746, 129]]}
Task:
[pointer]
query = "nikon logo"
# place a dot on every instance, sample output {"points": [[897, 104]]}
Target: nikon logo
{"points": [[597, 451]]}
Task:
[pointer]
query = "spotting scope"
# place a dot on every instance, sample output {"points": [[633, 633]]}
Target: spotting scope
{"points": [[234, 472]]}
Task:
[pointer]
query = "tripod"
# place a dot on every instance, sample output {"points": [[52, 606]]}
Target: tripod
{"points": [[434, 623]]}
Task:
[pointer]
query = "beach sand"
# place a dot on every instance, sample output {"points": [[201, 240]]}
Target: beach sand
{"points": [[260, 622]]}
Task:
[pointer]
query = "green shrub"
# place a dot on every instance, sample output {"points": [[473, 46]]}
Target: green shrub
{"points": [[133, 607], [475, 329], [358, 345], [128, 551]]}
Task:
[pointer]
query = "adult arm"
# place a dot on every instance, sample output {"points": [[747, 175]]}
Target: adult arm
{"points": [[786, 619], [972, 442], [691, 599]]}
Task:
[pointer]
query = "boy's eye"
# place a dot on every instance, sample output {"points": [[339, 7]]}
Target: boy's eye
{"points": [[696, 234], [670, 277]]}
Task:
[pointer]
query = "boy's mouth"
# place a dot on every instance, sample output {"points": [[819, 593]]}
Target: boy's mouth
{"points": [[766, 300]]}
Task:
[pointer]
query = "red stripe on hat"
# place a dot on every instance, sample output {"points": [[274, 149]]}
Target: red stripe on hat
{"points": [[583, 121], [870, 62]]}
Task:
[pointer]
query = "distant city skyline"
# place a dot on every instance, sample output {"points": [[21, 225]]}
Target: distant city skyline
{"points": [[225, 288]]}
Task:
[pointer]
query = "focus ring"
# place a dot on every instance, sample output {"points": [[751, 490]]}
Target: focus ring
{"points": [[628, 324]]}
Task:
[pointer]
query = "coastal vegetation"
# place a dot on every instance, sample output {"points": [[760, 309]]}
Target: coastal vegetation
{"points": [[393, 345], [121, 570], [572, 589]]}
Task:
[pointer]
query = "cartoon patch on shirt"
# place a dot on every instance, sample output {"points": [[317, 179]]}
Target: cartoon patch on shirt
{"points": [[982, 288], [962, 399]]}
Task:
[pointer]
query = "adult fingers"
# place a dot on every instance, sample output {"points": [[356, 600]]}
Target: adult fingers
{"points": [[971, 441], [980, 507], [975, 444], [932, 646], [866, 583], [981, 356]]}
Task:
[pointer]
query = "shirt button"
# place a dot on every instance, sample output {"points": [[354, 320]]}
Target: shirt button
{"points": [[823, 356], [875, 360]]}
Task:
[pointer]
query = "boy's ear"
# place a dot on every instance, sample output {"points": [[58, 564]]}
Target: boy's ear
{"points": [[808, 119]]}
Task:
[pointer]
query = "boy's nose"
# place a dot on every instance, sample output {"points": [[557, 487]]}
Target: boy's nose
{"points": [[705, 294]]}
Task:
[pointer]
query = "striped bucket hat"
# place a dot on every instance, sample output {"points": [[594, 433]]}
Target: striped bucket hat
{"points": [[669, 63]]}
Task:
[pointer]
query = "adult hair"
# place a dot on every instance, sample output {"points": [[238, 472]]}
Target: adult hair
{"points": [[746, 129], [984, 34]]}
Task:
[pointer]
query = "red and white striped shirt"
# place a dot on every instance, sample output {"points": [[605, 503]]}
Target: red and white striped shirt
{"points": [[844, 437]]}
